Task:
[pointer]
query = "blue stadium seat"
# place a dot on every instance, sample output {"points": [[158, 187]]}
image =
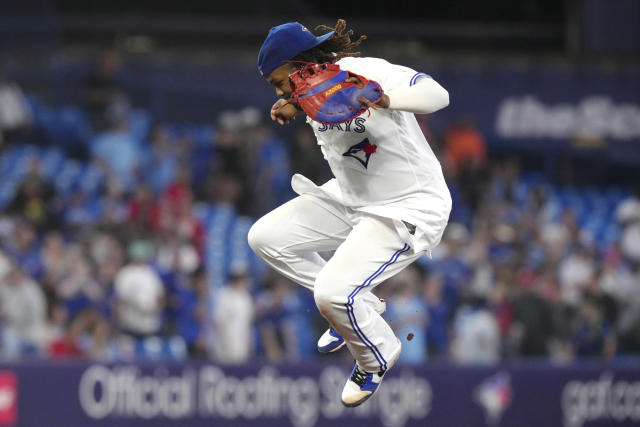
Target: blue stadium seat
{"points": [[7, 191], [150, 348], [175, 348], [68, 176], [52, 161], [90, 179], [218, 221]]}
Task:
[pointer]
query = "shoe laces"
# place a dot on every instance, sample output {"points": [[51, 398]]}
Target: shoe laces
{"points": [[359, 377]]}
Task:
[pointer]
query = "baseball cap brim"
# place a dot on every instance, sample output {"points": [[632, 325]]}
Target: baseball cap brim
{"points": [[323, 38]]}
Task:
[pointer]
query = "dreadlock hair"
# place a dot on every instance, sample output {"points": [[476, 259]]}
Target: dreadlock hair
{"points": [[336, 47]]}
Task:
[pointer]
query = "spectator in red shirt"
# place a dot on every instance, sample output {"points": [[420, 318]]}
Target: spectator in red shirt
{"points": [[465, 144]]}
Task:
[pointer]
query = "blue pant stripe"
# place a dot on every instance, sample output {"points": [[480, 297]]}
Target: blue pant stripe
{"points": [[359, 333], [363, 338], [351, 315], [394, 258]]}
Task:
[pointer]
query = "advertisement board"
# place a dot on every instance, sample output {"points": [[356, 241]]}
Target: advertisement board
{"points": [[201, 394]]}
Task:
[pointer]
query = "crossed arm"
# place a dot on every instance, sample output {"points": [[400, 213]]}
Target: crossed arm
{"points": [[424, 97]]}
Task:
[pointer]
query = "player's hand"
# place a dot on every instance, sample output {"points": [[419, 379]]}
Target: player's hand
{"points": [[283, 112], [383, 102]]}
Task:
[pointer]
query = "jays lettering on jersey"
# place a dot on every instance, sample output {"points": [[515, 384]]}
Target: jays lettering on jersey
{"points": [[382, 162]]}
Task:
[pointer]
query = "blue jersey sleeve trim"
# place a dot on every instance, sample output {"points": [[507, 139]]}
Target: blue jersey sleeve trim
{"points": [[416, 76]]}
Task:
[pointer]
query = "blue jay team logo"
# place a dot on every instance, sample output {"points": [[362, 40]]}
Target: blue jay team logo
{"points": [[494, 395], [361, 151]]}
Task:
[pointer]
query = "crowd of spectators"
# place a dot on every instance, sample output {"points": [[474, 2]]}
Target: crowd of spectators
{"points": [[122, 273]]}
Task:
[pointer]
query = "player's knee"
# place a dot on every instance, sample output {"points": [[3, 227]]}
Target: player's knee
{"points": [[323, 302], [323, 296], [259, 237]]}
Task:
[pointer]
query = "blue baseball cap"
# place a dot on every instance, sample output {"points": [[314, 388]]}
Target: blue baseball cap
{"points": [[283, 43]]}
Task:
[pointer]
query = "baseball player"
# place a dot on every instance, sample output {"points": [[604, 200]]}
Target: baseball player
{"points": [[387, 205]]}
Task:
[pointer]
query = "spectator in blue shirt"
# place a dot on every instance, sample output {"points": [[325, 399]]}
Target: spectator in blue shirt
{"points": [[119, 153], [439, 314], [406, 313], [24, 248], [593, 337]]}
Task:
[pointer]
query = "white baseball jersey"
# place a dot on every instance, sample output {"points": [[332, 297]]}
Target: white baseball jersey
{"points": [[382, 162]]}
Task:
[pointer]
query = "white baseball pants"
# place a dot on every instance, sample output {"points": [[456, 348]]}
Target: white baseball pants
{"points": [[368, 250]]}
